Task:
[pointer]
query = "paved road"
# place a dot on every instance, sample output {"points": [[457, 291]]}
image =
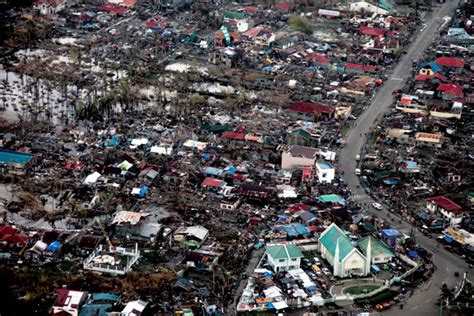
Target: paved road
{"points": [[422, 302]]}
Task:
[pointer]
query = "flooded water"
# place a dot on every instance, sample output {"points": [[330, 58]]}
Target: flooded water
{"points": [[23, 98]]}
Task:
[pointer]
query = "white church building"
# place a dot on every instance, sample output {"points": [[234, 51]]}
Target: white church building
{"points": [[345, 259]]}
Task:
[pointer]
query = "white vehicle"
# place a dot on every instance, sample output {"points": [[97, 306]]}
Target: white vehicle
{"points": [[357, 157], [358, 172], [316, 261], [326, 271], [377, 206]]}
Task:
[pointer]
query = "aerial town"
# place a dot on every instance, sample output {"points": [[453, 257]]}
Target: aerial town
{"points": [[217, 157]]}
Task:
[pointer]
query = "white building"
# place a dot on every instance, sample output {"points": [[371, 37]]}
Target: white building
{"points": [[69, 302], [283, 257], [345, 259], [46, 7], [299, 157], [368, 7], [451, 211], [325, 172]]}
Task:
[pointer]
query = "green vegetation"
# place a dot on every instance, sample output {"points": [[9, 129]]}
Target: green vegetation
{"points": [[382, 296], [360, 289], [301, 24]]}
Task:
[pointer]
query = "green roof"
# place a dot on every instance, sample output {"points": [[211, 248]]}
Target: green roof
{"points": [[382, 175], [330, 198], [331, 236], [234, 15], [377, 247], [385, 5], [284, 251]]}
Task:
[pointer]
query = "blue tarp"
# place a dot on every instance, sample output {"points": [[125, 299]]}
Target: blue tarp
{"points": [[113, 142], [413, 254], [54, 246], [423, 215], [448, 239], [230, 170], [143, 191], [206, 156], [268, 68], [390, 181]]}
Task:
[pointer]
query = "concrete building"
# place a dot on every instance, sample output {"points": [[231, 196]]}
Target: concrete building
{"points": [[325, 172], [283, 257], [372, 7], [379, 252], [345, 259], [299, 157], [450, 210]]}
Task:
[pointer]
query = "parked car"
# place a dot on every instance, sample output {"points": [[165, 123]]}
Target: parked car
{"points": [[377, 206], [312, 276], [316, 261], [326, 271], [306, 263]]}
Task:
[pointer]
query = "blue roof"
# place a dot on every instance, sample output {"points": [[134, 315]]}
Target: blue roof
{"points": [[14, 157], [411, 164], [331, 236], [213, 171], [434, 66], [390, 233]]}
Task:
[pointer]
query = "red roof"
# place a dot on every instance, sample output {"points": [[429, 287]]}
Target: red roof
{"points": [[111, 8], [233, 135], [446, 204], [250, 9], [210, 182], [310, 108], [151, 24], [449, 62], [371, 31], [7, 230], [361, 67], [429, 77], [318, 58], [253, 32], [451, 89], [15, 239], [299, 207], [283, 6]]}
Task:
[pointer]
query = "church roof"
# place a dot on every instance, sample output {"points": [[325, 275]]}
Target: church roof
{"points": [[377, 247], [329, 240]]}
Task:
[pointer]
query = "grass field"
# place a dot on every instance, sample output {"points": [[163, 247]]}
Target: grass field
{"points": [[359, 289]]}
